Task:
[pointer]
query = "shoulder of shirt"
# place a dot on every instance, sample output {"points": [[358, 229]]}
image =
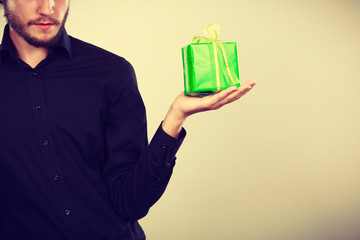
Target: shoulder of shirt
{"points": [[115, 71], [93, 52]]}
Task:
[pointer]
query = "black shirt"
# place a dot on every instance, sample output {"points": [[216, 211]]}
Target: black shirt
{"points": [[75, 162]]}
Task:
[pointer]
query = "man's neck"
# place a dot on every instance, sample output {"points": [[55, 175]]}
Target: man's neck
{"points": [[29, 54]]}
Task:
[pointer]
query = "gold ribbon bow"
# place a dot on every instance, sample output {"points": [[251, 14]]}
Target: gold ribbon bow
{"points": [[211, 33]]}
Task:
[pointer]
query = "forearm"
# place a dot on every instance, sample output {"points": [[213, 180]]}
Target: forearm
{"points": [[136, 185]]}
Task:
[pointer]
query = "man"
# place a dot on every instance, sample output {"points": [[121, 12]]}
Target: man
{"points": [[75, 162]]}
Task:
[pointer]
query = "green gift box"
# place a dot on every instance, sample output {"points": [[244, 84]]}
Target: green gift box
{"points": [[209, 65]]}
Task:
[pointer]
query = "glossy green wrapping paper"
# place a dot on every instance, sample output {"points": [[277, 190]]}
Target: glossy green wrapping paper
{"points": [[210, 67]]}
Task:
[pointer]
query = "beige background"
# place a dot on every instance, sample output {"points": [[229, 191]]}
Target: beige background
{"points": [[283, 162]]}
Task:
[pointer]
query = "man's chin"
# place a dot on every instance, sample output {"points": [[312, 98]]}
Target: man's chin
{"points": [[40, 43], [43, 40]]}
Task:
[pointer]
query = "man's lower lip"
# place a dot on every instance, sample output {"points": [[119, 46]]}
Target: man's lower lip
{"points": [[44, 26]]}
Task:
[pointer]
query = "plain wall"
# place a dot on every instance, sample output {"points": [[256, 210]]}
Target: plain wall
{"points": [[281, 163]]}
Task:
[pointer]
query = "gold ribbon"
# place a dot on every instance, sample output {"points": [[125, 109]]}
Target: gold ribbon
{"points": [[211, 32]]}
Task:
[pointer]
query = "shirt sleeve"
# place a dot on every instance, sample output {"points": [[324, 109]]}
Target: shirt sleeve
{"points": [[135, 173]]}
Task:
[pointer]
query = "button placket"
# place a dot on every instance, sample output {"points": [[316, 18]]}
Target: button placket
{"points": [[51, 160], [35, 75]]}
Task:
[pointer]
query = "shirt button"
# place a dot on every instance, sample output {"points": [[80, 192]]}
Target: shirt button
{"points": [[67, 212], [34, 74], [56, 177], [46, 142], [38, 107], [163, 146]]}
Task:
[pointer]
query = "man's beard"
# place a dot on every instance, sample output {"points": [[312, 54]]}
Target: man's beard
{"points": [[20, 28]]}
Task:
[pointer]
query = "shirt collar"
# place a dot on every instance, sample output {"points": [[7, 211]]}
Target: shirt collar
{"points": [[7, 45], [65, 43]]}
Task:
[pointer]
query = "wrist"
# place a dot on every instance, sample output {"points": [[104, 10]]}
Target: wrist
{"points": [[173, 121]]}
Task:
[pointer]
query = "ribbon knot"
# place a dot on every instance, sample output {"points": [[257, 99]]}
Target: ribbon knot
{"points": [[211, 33]]}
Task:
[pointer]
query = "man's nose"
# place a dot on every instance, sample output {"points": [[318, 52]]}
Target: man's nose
{"points": [[46, 7]]}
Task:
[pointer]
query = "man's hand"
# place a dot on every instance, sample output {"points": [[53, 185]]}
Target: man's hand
{"points": [[184, 106]]}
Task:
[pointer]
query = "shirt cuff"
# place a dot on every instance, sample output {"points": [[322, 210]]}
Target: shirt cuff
{"points": [[165, 147]]}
